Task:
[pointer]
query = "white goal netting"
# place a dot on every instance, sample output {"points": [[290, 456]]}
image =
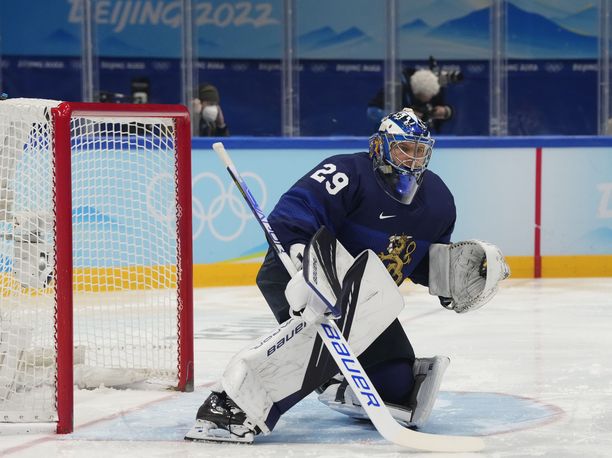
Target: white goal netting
{"points": [[124, 254]]}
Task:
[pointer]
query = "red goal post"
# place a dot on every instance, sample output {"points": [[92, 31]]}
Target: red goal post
{"points": [[95, 214]]}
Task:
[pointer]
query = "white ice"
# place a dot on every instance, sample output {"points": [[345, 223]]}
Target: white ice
{"points": [[530, 372]]}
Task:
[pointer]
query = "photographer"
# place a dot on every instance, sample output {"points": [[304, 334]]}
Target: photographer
{"points": [[423, 91]]}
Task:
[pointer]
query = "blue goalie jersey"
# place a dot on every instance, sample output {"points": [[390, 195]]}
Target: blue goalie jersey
{"points": [[342, 194]]}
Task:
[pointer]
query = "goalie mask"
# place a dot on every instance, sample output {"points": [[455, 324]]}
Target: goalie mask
{"points": [[400, 153]]}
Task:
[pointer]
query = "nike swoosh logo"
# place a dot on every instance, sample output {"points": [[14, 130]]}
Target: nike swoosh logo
{"points": [[382, 216]]}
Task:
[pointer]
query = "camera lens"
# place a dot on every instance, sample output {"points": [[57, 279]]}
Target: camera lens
{"points": [[455, 76]]}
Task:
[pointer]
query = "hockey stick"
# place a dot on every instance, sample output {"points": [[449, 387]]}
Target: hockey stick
{"points": [[344, 357]]}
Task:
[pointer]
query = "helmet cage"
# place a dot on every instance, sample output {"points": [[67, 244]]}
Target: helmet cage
{"points": [[399, 161], [407, 153]]}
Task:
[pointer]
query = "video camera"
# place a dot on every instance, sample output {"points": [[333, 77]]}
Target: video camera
{"points": [[111, 97], [444, 77], [140, 89]]}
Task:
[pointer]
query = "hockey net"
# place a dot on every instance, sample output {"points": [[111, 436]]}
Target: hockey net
{"points": [[95, 231]]}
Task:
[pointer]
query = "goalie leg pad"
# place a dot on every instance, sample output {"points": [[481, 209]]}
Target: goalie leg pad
{"points": [[273, 369], [286, 365], [340, 397], [428, 373]]}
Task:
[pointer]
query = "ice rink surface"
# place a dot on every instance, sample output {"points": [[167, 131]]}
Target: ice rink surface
{"points": [[531, 373]]}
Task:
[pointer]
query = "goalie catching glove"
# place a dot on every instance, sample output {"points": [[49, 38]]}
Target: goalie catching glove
{"points": [[465, 275]]}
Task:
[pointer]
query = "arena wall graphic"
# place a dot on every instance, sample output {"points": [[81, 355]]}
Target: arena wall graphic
{"points": [[548, 40]]}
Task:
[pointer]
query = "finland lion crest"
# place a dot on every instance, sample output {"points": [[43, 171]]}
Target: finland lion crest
{"points": [[399, 253]]}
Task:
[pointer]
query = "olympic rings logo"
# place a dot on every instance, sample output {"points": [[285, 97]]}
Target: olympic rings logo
{"points": [[225, 198]]}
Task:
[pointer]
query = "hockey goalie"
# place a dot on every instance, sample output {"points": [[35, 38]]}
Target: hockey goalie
{"points": [[356, 226]]}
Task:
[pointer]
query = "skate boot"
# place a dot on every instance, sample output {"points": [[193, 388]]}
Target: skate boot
{"points": [[219, 419]]}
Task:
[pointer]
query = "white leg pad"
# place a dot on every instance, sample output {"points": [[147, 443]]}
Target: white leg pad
{"points": [[286, 365], [428, 373], [272, 369], [348, 404], [432, 369], [290, 362]]}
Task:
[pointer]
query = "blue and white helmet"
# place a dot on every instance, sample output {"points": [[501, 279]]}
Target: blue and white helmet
{"points": [[400, 153]]}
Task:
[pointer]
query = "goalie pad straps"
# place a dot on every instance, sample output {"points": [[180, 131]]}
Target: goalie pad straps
{"points": [[468, 272]]}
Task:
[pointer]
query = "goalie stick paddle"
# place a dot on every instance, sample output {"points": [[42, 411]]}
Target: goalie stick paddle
{"points": [[346, 360]]}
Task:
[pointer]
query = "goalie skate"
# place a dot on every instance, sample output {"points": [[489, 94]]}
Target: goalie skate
{"points": [[428, 372], [219, 419]]}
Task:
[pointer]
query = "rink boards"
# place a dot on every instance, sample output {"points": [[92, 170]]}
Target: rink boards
{"points": [[546, 201]]}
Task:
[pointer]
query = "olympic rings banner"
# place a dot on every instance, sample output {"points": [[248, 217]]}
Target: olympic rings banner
{"points": [[224, 229], [497, 184]]}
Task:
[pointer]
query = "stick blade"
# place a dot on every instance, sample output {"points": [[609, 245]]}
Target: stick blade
{"points": [[430, 442]]}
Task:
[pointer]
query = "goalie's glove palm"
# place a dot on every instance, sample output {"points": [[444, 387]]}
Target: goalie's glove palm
{"points": [[469, 265], [465, 275]]}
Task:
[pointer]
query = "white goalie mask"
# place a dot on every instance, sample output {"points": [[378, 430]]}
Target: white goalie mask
{"points": [[400, 152]]}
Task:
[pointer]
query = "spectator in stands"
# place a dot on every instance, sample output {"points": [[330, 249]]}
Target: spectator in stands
{"points": [[206, 108]]}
